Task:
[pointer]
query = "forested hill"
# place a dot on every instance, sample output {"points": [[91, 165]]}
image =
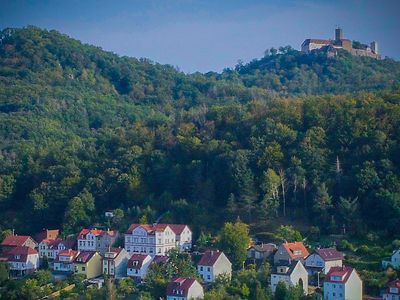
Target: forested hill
{"points": [[83, 131]]}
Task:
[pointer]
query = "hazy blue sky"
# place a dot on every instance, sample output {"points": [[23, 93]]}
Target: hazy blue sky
{"points": [[206, 35]]}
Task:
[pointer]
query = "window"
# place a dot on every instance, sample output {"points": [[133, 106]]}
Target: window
{"points": [[208, 269], [208, 277], [201, 268], [83, 269]]}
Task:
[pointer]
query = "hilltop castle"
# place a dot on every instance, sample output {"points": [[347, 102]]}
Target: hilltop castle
{"points": [[331, 46]]}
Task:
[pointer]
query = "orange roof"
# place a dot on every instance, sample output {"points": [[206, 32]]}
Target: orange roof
{"points": [[84, 232], [68, 252], [296, 250]]}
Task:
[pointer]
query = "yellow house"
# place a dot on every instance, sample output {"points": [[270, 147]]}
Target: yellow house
{"points": [[88, 263]]}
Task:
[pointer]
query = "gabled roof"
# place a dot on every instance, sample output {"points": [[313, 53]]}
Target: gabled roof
{"points": [[160, 259], [180, 286], [178, 228], [136, 261], [114, 250], [343, 272], [72, 254], [296, 250], [316, 41], [84, 257], [84, 232], [15, 240], [290, 266], [329, 254], [209, 258], [264, 247], [149, 228]]}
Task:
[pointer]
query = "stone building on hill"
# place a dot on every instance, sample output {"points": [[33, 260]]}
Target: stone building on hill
{"points": [[331, 46]]}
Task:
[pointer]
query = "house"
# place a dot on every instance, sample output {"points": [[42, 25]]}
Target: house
{"points": [[342, 283], [183, 236], [22, 260], [289, 252], [47, 234], [88, 263], [292, 274], [261, 251], [184, 288], [152, 239], [393, 261], [115, 262], [96, 239], [12, 241], [212, 264], [51, 248], [323, 259], [64, 261], [393, 291], [138, 265]]}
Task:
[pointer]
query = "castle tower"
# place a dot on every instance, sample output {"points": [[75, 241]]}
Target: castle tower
{"points": [[374, 47], [338, 34]]}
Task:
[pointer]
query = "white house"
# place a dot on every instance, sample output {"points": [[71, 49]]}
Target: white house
{"points": [[65, 261], [22, 260], [184, 289], [393, 291], [323, 259], [292, 275], [183, 236], [152, 239], [393, 261], [51, 248], [212, 264], [342, 283], [96, 240], [138, 265], [261, 251], [115, 261]]}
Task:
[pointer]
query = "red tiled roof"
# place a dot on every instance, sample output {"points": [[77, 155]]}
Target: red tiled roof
{"points": [[136, 261], [342, 272], [68, 252], [15, 240], [19, 253], [291, 248], [180, 286], [177, 228], [84, 256], [159, 259], [329, 254], [150, 228], [209, 258], [84, 232]]}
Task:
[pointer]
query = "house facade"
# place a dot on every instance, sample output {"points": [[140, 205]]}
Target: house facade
{"points": [[88, 263], [393, 291], [65, 261], [183, 236], [151, 239], [96, 240], [261, 251], [138, 265], [292, 275], [51, 248], [212, 264], [289, 252], [323, 259], [22, 260], [342, 283], [393, 261], [115, 262], [184, 288]]}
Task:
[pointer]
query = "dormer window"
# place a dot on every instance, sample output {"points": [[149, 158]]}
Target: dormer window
{"points": [[336, 278], [297, 252]]}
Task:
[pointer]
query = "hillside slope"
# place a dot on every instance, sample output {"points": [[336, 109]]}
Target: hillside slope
{"points": [[83, 131]]}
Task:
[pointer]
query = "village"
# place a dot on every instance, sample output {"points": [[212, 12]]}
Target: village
{"points": [[93, 254]]}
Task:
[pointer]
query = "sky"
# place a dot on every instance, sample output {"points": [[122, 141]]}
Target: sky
{"points": [[208, 35]]}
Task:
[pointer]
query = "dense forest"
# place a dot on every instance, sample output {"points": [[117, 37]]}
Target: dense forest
{"points": [[288, 136]]}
